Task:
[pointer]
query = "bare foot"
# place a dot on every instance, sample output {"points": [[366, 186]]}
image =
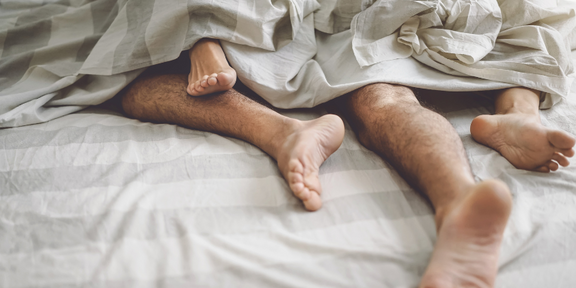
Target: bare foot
{"points": [[304, 150], [209, 71], [524, 141], [469, 236]]}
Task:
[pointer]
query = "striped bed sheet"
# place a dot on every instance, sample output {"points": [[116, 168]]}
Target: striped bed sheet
{"points": [[61, 56], [95, 199]]}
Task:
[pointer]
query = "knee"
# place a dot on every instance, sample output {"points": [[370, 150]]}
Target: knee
{"points": [[383, 96]]}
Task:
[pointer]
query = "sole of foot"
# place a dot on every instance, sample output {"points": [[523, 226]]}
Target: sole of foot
{"points": [[524, 141], [469, 237], [304, 151]]}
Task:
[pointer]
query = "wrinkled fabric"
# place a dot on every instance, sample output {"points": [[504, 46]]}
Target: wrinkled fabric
{"points": [[50, 51], [58, 57], [95, 199], [526, 43], [438, 45]]}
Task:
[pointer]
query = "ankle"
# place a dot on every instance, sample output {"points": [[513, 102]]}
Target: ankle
{"points": [[520, 110], [284, 129], [518, 101]]}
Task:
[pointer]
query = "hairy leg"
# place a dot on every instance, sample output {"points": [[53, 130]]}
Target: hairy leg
{"points": [[517, 133], [299, 147], [428, 153], [209, 70]]}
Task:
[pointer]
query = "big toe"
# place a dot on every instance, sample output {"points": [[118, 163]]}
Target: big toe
{"points": [[190, 89], [314, 202], [561, 139], [227, 78]]}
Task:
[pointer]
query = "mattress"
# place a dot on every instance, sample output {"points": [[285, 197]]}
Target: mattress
{"points": [[95, 199]]}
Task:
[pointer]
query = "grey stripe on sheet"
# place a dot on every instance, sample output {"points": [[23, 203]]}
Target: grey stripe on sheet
{"points": [[86, 48], [347, 265], [20, 39], [189, 167], [43, 232], [342, 270], [103, 14], [205, 21], [42, 13], [13, 68], [134, 42], [96, 133], [185, 168]]}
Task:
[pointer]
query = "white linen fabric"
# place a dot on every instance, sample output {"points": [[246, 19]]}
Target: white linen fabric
{"points": [[60, 56], [423, 44], [94, 199]]}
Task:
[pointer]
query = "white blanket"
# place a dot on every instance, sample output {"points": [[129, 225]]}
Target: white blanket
{"points": [[58, 57], [441, 45]]}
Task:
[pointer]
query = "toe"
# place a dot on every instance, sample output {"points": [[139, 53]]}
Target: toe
{"points": [[204, 83], [296, 183], [304, 187], [212, 81], [227, 78], [561, 139], [300, 191], [314, 202], [567, 152], [553, 166], [295, 177], [296, 180], [560, 159], [313, 183], [190, 89], [543, 169]]}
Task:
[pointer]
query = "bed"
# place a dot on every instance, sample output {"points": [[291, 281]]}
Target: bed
{"points": [[96, 199]]}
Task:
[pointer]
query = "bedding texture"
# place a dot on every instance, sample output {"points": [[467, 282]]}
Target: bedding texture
{"points": [[58, 57], [92, 198]]}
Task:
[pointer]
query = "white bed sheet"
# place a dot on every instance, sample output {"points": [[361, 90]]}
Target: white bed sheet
{"points": [[94, 199]]}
